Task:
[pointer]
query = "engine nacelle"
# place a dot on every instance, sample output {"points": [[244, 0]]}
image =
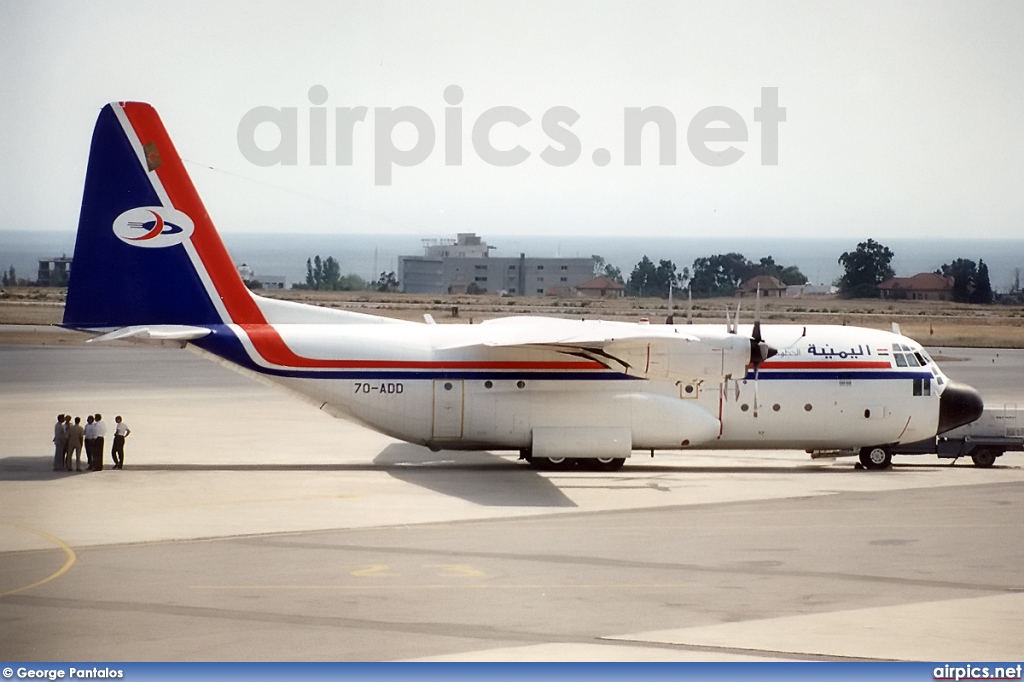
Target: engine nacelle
{"points": [[713, 359]]}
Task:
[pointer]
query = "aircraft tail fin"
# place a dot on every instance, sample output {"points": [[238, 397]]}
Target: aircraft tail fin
{"points": [[147, 252]]}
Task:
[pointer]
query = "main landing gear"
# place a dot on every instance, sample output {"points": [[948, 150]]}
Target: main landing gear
{"points": [[876, 457], [566, 463]]}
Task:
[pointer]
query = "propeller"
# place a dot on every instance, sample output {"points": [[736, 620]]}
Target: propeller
{"points": [[759, 349], [730, 326]]}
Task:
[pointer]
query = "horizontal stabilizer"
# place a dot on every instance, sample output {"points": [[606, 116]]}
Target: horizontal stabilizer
{"points": [[153, 333]]}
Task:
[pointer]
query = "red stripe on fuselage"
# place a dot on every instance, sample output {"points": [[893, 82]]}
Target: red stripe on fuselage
{"points": [[856, 364]]}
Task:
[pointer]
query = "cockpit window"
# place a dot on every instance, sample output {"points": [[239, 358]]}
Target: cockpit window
{"points": [[905, 356]]}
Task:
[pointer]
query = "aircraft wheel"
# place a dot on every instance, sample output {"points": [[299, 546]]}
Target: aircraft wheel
{"points": [[875, 458], [550, 463], [984, 457], [604, 463]]}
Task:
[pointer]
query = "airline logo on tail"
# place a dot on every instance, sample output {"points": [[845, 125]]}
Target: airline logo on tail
{"points": [[153, 227]]}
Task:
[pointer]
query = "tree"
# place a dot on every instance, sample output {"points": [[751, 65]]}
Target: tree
{"points": [[720, 275], [982, 286], [866, 268], [10, 278], [970, 282], [310, 280], [650, 280], [964, 272], [353, 282], [325, 275], [605, 269], [387, 282], [331, 274], [666, 276], [642, 278], [789, 274], [318, 272]]}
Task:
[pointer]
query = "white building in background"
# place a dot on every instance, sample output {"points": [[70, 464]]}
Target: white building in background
{"points": [[463, 266], [266, 281]]}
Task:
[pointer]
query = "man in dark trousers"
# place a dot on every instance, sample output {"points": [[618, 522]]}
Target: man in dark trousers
{"points": [[121, 431], [90, 440], [100, 432], [60, 442]]}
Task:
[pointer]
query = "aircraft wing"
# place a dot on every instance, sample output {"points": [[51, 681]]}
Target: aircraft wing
{"points": [[639, 350], [519, 331]]}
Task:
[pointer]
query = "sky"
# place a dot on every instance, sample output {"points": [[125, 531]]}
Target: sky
{"points": [[902, 119]]}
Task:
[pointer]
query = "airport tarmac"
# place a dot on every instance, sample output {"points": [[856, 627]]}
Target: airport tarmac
{"points": [[247, 525]]}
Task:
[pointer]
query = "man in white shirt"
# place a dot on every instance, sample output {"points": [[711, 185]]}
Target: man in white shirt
{"points": [[100, 432], [121, 431], [90, 441]]}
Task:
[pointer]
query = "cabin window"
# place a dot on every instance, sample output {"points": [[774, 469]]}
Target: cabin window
{"points": [[923, 387]]}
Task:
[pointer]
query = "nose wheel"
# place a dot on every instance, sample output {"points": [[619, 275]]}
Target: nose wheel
{"points": [[876, 457]]}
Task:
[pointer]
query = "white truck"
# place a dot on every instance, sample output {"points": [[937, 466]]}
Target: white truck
{"points": [[998, 430]]}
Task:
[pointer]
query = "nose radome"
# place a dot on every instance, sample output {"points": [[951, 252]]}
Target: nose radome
{"points": [[959, 404]]}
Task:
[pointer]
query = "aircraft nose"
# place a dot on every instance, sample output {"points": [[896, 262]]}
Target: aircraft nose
{"points": [[960, 404]]}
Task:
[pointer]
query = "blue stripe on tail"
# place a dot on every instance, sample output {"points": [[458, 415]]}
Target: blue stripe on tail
{"points": [[116, 284]]}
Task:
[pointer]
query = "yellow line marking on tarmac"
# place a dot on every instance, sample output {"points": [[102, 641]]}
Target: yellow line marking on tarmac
{"points": [[69, 554]]}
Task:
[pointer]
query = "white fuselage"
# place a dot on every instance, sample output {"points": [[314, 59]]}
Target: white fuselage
{"points": [[829, 387]]}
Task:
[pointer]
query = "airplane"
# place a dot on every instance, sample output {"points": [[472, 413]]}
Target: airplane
{"points": [[149, 267]]}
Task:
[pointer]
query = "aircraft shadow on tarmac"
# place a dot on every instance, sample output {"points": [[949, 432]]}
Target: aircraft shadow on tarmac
{"points": [[481, 477]]}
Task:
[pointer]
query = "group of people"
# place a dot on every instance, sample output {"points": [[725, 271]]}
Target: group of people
{"points": [[69, 438]]}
